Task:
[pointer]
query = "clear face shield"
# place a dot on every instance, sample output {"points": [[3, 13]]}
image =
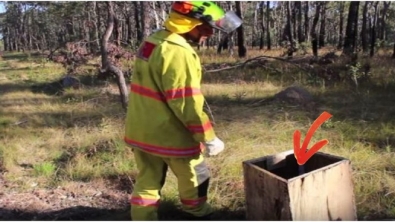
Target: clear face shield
{"points": [[229, 22]]}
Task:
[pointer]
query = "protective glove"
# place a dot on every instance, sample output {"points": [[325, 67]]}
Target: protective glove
{"points": [[214, 147]]}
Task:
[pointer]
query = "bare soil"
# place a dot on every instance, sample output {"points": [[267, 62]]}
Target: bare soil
{"points": [[97, 200], [102, 200]]}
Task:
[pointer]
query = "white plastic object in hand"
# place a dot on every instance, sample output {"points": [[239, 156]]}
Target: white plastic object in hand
{"points": [[214, 147]]}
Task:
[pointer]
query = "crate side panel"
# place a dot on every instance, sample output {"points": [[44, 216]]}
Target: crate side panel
{"points": [[266, 196], [320, 160], [324, 195]]}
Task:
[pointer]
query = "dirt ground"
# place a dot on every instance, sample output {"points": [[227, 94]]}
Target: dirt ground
{"points": [[102, 200]]}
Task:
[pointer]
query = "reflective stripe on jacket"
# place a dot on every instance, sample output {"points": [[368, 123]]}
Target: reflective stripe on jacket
{"points": [[165, 112]]}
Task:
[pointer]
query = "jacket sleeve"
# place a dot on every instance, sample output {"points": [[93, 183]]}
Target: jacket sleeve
{"points": [[181, 77]]}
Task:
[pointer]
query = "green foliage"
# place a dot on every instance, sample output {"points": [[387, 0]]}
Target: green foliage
{"points": [[45, 169], [304, 47], [355, 72]]}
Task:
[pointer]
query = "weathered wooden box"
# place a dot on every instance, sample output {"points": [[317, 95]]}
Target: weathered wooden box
{"points": [[274, 190]]}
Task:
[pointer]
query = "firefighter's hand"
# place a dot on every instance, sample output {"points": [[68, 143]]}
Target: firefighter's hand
{"points": [[214, 147]]}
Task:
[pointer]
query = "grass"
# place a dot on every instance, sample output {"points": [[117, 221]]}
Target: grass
{"points": [[50, 137]]}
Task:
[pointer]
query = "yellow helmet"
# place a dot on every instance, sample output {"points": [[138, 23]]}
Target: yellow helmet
{"points": [[186, 15]]}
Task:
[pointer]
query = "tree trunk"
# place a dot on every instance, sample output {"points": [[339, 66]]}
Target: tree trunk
{"points": [[314, 39], [129, 30], [97, 25], [117, 31], [223, 44], [262, 24], [289, 30], [341, 23], [373, 30], [254, 28], [298, 6], [44, 44], [306, 21], [351, 29], [321, 41], [293, 20], [278, 16], [86, 27], [145, 18], [240, 32], [156, 17], [364, 32], [269, 42], [393, 54], [137, 20], [107, 67], [6, 39], [230, 44], [383, 19]]}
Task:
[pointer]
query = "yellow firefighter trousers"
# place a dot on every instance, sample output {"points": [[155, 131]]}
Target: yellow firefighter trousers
{"points": [[193, 180]]}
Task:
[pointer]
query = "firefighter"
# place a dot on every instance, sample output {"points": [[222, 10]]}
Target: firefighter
{"points": [[166, 126]]}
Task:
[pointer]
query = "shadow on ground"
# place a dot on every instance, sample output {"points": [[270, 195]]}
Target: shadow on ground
{"points": [[58, 87], [72, 213], [35, 56], [168, 211]]}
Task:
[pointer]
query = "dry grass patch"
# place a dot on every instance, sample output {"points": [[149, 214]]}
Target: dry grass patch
{"points": [[77, 135]]}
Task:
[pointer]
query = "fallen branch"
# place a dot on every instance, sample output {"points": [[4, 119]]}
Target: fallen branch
{"points": [[222, 69], [258, 58], [20, 122]]}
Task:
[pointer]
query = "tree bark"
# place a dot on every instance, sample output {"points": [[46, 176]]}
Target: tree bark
{"points": [[341, 23], [97, 25], [373, 30], [254, 28], [223, 44], [298, 6], [293, 20], [393, 54], [278, 16], [137, 20], [314, 39], [107, 67], [262, 24], [321, 41], [129, 28], [351, 29], [289, 30], [382, 34], [230, 44], [364, 32], [306, 21], [145, 18], [117, 31], [269, 42], [240, 33], [156, 17]]}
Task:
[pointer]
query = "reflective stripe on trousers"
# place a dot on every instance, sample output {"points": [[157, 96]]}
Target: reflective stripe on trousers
{"points": [[193, 180], [146, 202], [189, 151]]}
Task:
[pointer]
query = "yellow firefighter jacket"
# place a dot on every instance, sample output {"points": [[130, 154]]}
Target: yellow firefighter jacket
{"points": [[165, 114]]}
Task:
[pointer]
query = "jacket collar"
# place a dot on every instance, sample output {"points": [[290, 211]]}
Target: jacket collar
{"points": [[174, 38]]}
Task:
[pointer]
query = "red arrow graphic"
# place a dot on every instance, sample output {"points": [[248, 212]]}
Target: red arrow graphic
{"points": [[300, 153]]}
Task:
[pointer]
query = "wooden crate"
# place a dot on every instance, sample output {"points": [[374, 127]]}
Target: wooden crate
{"points": [[274, 190]]}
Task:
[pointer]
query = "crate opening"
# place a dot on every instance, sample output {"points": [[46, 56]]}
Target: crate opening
{"points": [[285, 166]]}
